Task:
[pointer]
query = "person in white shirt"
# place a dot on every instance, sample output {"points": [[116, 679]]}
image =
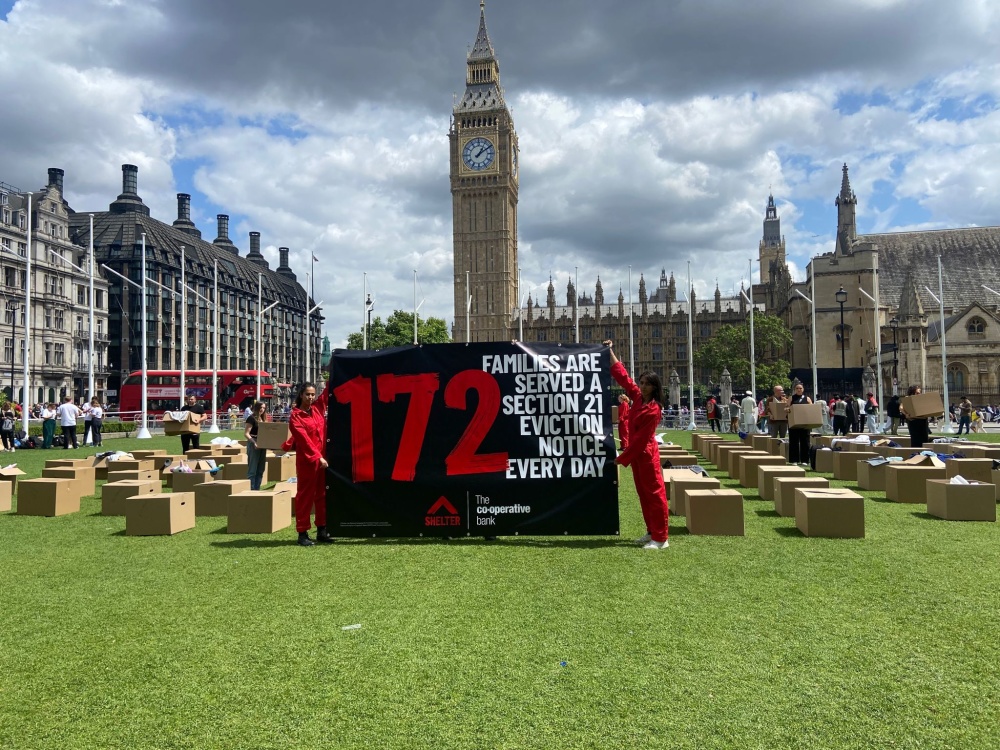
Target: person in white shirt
{"points": [[85, 408], [96, 422], [48, 425], [749, 408], [67, 414]]}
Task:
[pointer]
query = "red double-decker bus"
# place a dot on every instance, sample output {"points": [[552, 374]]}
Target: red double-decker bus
{"points": [[163, 389]]}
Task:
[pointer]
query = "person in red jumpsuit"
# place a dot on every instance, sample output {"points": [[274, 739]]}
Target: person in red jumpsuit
{"points": [[623, 407], [643, 452], [307, 437]]}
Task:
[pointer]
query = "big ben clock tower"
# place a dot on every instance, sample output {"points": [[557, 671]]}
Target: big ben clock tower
{"points": [[484, 199]]}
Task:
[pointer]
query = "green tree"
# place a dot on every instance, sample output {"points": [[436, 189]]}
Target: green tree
{"points": [[398, 331], [729, 349]]}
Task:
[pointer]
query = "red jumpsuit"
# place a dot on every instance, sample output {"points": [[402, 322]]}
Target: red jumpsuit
{"points": [[643, 453], [307, 437], [623, 409]]}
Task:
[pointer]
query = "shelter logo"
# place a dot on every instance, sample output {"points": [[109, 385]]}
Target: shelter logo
{"points": [[442, 513]]}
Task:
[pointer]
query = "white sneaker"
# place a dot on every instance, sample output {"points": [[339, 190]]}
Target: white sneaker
{"points": [[656, 545], [643, 539]]}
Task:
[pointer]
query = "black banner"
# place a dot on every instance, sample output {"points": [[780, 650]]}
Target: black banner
{"points": [[477, 439]]}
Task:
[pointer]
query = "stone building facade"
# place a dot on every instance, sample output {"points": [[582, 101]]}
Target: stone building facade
{"points": [[59, 352], [908, 329], [118, 242]]}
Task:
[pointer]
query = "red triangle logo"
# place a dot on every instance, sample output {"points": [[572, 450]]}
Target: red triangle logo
{"points": [[442, 502]]}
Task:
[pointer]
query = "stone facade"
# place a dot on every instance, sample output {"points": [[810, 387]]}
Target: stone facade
{"points": [[118, 234], [59, 352], [908, 322]]}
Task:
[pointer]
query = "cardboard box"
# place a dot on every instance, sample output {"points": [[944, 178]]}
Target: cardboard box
{"points": [[777, 447], [679, 485], [66, 463], [805, 415], [132, 464], [180, 423], [259, 512], [280, 468], [923, 405], [767, 474], [47, 497], [81, 479], [200, 453], [232, 450], [674, 458], [748, 463], [100, 466], [784, 492], [845, 464], [239, 471], [872, 477], [760, 443], [961, 502], [733, 460], [907, 483], [184, 481], [10, 474], [718, 449], [973, 469], [222, 459], [140, 455], [212, 498], [115, 495], [715, 512], [777, 411], [982, 451], [834, 512], [5, 497], [164, 462], [291, 489], [149, 475], [271, 435], [159, 514], [824, 461]]}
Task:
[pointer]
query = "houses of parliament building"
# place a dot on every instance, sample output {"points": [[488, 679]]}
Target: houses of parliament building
{"points": [[906, 329]]}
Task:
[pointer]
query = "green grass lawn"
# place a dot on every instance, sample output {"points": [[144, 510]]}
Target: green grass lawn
{"points": [[772, 640]]}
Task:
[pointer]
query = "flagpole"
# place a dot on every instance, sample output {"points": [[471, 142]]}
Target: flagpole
{"points": [[25, 407], [183, 328], [143, 432], [308, 377], [215, 356], [364, 315], [468, 310], [414, 306], [691, 347], [90, 369]]}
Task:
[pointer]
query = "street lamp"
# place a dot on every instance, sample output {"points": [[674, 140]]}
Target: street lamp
{"points": [[841, 296], [894, 325]]}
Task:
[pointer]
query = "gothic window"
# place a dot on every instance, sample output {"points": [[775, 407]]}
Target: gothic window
{"points": [[682, 351], [657, 352], [681, 330], [706, 330], [976, 328], [609, 333], [563, 334], [543, 336], [956, 378], [843, 338], [657, 332]]}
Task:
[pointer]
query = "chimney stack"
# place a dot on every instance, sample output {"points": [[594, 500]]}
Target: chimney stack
{"points": [[184, 222], [56, 178], [223, 240], [283, 268], [129, 201], [130, 179], [255, 256]]}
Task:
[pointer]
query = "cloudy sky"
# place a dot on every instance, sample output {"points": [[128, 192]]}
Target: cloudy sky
{"points": [[651, 131]]}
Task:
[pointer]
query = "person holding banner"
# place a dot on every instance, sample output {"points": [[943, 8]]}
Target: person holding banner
{"points": [[307, 437], [643, 453]]}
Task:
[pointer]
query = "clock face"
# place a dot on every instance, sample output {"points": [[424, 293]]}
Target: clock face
{"points": [[478, 153]]}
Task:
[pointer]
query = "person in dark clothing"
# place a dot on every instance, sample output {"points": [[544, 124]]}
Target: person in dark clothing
{"points": [[188, 440], [798, 437], [892, 411], [851, 413], [920, 432], [712, 412]]}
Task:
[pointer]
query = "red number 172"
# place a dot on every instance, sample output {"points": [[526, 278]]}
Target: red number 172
{"points": [[463, 459]]}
